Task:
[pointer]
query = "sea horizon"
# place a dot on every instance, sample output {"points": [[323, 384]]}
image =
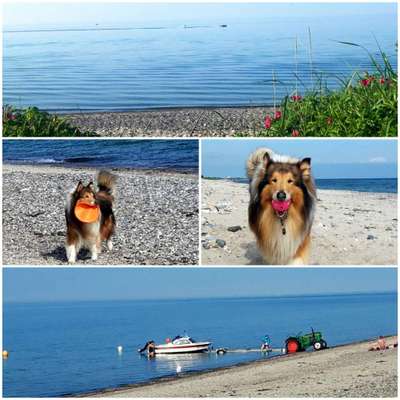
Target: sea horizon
{"points": [[370, 185], [201, 298]]}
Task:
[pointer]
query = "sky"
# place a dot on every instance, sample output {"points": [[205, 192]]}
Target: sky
{"points": [[78, 284], [359, 158], [20, 15]]}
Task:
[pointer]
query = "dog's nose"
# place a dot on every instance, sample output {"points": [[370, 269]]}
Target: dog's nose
{"points": [[281, 196]]}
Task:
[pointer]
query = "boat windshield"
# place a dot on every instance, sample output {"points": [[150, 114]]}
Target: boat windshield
{"points": [[183, 340]]}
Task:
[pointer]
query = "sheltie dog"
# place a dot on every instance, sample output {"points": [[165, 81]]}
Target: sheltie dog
{"points": [[282, 206], [90, 234]]}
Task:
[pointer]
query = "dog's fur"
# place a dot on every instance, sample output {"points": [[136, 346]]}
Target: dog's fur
{"points": [[268, 174], [90, 235]]}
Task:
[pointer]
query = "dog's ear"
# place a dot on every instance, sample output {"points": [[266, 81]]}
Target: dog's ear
{"points": [[305, 167], [90, 186], [79, 187], [267, 160]]}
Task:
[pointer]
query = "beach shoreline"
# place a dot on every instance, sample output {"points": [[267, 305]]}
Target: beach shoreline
{"points": [[346, 363], [350, 228], [173, 122], [156, 212], [49, 167]]}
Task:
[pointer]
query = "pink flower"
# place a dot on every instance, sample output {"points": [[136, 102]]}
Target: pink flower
{"points": [[365, 82], [385, 81], [267, 122], [296, 97], [295, 133], [278, 115], [329, 120]]}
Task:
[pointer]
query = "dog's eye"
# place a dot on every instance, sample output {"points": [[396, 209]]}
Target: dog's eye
{"points": [[290, 181], [274, 180]]}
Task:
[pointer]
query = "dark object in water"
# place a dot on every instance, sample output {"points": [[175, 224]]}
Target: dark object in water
{"points": [[150, 346], [223, 25]]}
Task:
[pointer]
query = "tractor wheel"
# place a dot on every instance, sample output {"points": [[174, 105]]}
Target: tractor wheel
{"points": [[292, 346], [318, 346], [324, 344]]}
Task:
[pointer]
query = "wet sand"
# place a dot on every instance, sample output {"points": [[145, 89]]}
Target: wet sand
{"points": [[188, 122], [350, 228], [345, 371], [156, 213]]}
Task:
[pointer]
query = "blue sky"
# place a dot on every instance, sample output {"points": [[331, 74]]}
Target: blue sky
{"points": [[64, 284], [359, 158], [112, 14]]}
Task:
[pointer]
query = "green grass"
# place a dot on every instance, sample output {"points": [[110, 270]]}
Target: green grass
{"points": [[365, 105], [35, 123]]}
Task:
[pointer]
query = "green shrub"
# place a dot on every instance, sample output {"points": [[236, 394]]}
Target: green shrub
{"points": [[365, 105], [33, 122]]}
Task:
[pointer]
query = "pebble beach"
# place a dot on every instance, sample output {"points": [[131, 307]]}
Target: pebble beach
{"points": [[156, 213], [344, 371], [188, 122], [350, 228]]}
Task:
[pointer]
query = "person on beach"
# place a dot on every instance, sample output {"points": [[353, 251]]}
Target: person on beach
{"points": [[266, 343], [150, 346], [379, 345]]}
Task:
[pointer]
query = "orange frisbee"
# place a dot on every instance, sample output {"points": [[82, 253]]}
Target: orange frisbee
{"points": [[86, 212]]}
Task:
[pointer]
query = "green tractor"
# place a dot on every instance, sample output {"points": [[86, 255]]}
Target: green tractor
{"points": [[300, 342]]}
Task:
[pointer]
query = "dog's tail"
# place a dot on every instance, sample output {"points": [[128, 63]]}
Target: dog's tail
{"points": [[255, 160], [106, 182]]}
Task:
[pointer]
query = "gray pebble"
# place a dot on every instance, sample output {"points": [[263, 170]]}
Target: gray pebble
{"points": [[234, 228], [220, 242]]}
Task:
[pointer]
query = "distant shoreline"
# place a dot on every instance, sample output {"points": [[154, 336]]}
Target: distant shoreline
{"points": [[146, 170], [247, 376], [293, 296]]}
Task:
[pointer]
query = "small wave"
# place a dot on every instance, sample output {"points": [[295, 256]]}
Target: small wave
{"points": [[47, 161], [71, 160], [32, 161]]}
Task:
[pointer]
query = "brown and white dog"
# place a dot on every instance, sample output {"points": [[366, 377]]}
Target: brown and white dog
{"points": [[282, 206], [90, 235]]}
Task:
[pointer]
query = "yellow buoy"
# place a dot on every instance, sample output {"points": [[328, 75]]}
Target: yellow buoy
{"points": [[5, 353]]}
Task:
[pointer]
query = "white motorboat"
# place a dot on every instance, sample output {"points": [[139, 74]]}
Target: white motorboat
{"points": [[182, 344]]}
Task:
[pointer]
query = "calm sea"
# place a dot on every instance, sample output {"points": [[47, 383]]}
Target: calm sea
{"points": [[153, 154], [376, 185], [193, 62], [64, 348]]}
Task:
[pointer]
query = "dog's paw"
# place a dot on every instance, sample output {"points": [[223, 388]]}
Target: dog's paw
{"points": [[71, 261], [109, 245], [297, 261], [94, 257]]}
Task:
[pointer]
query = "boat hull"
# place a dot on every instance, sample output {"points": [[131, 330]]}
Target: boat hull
{"points": [[181, 349]]}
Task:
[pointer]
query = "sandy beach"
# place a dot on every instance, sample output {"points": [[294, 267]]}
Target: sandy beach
{"points": [[156, 212], [344, 371], [350, 228], [194, 122]]}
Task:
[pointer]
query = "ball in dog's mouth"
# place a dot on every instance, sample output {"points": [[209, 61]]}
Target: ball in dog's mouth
{"points": [[281, 207]]}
